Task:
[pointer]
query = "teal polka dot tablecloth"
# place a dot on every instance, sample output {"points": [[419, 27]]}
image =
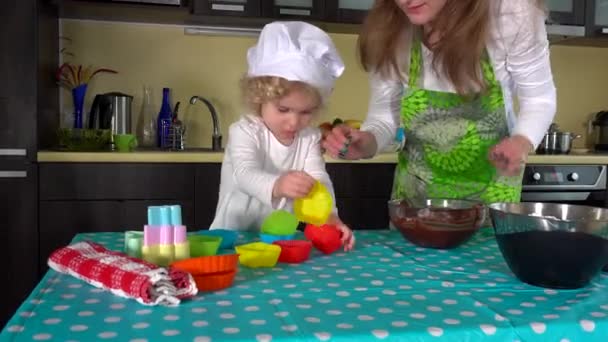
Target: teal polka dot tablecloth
{"points": [[386, 289]]}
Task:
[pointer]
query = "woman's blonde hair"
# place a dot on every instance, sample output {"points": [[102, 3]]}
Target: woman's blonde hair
{"points": [[462, 27], [262, 89]]}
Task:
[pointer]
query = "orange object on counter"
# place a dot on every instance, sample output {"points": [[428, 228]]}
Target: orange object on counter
{"points": [[210, 273], [215, 281], [208, 264]]}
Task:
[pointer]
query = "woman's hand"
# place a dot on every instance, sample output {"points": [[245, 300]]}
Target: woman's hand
{"points": [[348, 237], [293, 184], [510, 155], [345, 142]]}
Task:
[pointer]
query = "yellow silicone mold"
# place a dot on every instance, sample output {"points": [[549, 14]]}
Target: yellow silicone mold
{"points": [[316, 207], [258, 254]]}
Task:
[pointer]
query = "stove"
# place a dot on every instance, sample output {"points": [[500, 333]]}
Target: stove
{"points": [[571, 184]]}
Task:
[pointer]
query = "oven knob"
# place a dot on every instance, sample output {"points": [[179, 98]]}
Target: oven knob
{"points": [[573, 177], [536, 176]]}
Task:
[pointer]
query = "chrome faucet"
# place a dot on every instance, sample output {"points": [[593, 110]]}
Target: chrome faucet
{"points": [[216, 138]]}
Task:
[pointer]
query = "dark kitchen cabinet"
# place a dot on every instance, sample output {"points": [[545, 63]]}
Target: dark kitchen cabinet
{"points": [[362, 192], [97, 197], [578, 18], [239, 8], [29, 117], [117, 181], [18, 222], [347, 11], [294, 9], [207, 188], [598, 18], [567, 12]]}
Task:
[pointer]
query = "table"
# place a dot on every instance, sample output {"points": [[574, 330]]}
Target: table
{"points": [[385, 289]]}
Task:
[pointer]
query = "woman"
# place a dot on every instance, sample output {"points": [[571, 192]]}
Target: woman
{"points": [[444, 72]]}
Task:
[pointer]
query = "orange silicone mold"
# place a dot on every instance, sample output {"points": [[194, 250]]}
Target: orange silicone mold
{"points": [[214, 282], [208, 264]]}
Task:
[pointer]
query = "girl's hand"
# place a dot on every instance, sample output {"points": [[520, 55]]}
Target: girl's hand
{"points": [[345, 142], [510, 155], [348, 237], [293, 185]]}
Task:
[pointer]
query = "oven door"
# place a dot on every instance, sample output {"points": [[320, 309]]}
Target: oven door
{"points": [[591, 198]]}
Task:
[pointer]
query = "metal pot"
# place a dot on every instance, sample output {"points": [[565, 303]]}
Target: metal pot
{"points": [[557, 143]]}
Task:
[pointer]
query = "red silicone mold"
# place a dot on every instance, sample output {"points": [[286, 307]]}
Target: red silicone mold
{"points": [[294, 251]]}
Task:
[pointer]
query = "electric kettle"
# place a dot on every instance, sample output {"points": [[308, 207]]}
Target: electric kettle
{"points": [[599, 131], [111, 111]]}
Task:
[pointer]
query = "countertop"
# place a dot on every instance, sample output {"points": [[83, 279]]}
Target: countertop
{"points": [[188, 156], [578, 157]]}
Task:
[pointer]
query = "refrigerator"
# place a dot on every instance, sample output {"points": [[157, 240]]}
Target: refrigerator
{"points": [[29, 116]]}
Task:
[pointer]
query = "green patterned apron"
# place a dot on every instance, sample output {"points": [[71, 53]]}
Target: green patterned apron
{"points": [[448, 140]]}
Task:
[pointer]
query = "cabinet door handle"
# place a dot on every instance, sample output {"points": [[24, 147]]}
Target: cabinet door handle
{"points": [[565, 30], [226, 7], [13, 174], [13, 152], [295, 11]]}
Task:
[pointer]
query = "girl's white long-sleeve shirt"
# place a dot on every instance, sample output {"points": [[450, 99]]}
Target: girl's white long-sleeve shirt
{"points": [[519, 52], [253, 161]]}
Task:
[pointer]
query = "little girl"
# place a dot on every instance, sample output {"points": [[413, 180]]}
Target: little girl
{"points": [[273, 155]]}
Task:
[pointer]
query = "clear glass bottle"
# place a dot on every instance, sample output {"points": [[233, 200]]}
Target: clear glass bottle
{"points": [[165, 117], [147, 120]]}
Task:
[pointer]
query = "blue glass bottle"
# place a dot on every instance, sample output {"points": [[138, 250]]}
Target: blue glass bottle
{"points": [[164, 120]]}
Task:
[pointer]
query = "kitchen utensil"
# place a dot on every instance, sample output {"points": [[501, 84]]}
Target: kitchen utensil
{"points": [[133, 243], [315, 207], [111, 111], [228, 236], [552, 245], [146, 130], [419, 197], [326, 238], [214, 282], [208, 264], [201, 245], [280, 222], [269, 238], [125, 142], [437, 223], [556, 141], [210, 273], [258, 254], [294, 251], [598, 129], [177, 132]]}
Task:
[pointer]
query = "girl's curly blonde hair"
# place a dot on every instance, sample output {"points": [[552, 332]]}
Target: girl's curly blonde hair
{"points": [[262, 89]]}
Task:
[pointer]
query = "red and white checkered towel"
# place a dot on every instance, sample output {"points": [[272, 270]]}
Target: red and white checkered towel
{"points": [[122, 275]]}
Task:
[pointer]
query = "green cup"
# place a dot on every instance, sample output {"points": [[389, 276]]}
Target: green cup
{"points": [[125, 142], [133, 243], [202, 245]]}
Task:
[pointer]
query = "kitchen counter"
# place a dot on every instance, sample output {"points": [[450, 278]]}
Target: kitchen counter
{"points": [[579, 157], [193, 156]]}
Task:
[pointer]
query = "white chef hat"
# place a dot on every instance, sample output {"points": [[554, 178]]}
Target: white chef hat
{"points": [[296, 51]]}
